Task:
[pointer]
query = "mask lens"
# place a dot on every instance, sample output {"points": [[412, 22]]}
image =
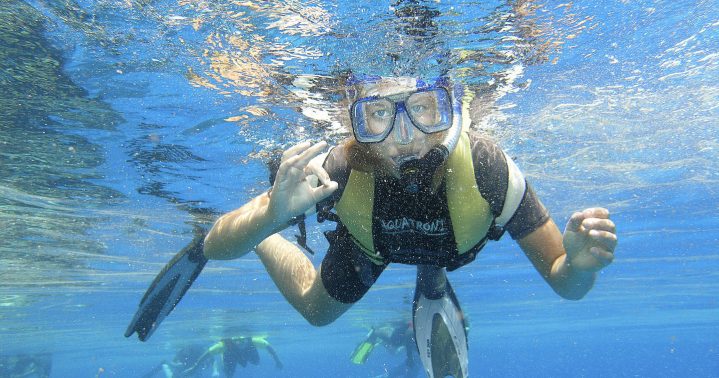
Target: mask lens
{"points": [[430, 111], [372, 119]]}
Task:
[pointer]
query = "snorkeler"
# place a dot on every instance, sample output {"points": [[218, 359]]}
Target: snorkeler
{"points": [[236, 350], [23, 365], [411, 186], [396, 337]]}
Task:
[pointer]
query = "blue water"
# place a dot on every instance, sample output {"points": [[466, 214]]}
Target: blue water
{"points": [[123, 123]]}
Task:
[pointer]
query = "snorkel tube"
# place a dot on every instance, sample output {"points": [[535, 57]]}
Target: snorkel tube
{"points": [[416, 174]]}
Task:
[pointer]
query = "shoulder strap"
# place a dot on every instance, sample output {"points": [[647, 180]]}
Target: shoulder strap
{"points": [[516, 186], [470, 212], [355, 209]]}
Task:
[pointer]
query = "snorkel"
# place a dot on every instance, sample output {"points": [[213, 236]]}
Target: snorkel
{"points": [[417, 174]]}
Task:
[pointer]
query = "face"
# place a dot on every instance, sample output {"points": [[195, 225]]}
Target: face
{"points": [[405, 141]]}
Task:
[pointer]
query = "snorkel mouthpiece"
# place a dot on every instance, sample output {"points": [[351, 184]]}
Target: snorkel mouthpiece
{"points": [[416, 174]]}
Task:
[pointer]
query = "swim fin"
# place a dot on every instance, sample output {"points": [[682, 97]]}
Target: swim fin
{"points": [[440, 332], [167, 289]]}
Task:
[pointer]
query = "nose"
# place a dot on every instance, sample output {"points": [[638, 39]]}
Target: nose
{"points": [[403, 128]]}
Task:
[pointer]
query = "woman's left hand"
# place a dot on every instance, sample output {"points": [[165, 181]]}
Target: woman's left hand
{"points": [[590, 239]]}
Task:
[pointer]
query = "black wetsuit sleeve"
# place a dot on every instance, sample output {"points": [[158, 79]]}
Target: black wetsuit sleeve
{"points": [[491, 171], [347, 273], [530, 215]]}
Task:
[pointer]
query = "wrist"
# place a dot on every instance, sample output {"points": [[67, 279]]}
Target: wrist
{"points": [[570, 280], [275, 218], [576, 270]]}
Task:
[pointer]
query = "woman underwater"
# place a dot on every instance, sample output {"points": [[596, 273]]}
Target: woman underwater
{"points": [[411, 186]]}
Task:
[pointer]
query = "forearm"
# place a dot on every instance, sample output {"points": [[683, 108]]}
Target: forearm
{"points": [[546, 251], [238, 231], [299, 281], [289, 268]]}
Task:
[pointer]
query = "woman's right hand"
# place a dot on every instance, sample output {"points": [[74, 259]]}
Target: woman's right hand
{"points": [[294, 191]]}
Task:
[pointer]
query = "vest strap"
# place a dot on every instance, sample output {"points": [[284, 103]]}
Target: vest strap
{"points": [[470, 212]]}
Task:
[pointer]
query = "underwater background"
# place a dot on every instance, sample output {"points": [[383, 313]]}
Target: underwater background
{"points": [[124, 124]]}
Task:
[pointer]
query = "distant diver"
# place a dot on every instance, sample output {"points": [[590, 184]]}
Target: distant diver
{"points": [[233, 351]]}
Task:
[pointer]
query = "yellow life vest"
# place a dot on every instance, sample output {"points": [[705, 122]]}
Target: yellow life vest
{"points": [[469, 212]]}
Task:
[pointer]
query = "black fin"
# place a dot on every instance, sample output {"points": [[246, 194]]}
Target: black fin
{"points": [[168, 288]]}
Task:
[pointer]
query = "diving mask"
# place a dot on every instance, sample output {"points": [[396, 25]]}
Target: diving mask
{"points": [[429, 110]]}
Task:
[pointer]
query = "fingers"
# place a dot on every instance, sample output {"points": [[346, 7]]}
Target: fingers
{"points": [[575, 222], [595, 217], [601, 231], [319, 171], [323, 176], [598, 224], [591, 231], [300, 158], [605, 239], [294, 150], [321, 192], [315, 167], [596, 212], [287, 171], [605, 257], [600, 228], [296, 158]]}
